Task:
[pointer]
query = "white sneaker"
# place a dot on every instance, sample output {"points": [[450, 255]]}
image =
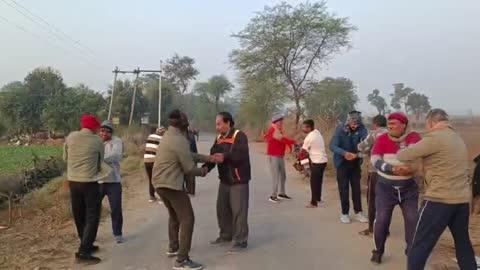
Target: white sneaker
{"points": [[360, 217], [345, 219]]}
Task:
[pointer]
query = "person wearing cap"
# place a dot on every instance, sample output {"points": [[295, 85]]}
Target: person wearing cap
{"points": [[112, 187], [84, 152], [447, 192], [348, 162], [277, 143], [151, 146], [395, 186]]}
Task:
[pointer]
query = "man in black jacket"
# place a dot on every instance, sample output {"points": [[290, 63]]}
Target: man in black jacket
{"points": [[232, 155]]}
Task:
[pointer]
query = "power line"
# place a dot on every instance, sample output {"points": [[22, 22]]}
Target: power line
{"points": [[21, 28], [56, 29]]}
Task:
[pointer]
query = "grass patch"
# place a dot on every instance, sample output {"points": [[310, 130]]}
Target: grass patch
{"points": [[14, 159]]}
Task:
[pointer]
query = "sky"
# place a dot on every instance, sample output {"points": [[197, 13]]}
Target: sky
{"points": [[432, 46]]}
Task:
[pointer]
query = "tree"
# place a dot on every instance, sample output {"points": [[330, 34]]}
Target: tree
{"points": [[180, 71], [293, 42], [214, 89], [417, 104], [377, 101], [260, 97], [331, 99], [400, 96], [122, 101]]}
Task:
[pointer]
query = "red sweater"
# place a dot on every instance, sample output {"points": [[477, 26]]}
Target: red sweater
{"points": [[276, 148]]}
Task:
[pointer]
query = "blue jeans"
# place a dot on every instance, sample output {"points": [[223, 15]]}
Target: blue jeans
{"points": [[113, 191]]}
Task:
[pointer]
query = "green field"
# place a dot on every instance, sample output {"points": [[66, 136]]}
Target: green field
{"points": [[14, 159]]}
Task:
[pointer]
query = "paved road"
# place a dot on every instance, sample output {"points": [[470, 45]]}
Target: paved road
{"points": [[283, 236]]}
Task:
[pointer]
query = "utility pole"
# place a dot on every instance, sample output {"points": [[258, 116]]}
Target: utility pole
{"points": [[115, 73], [160, 95], [135, 83]]}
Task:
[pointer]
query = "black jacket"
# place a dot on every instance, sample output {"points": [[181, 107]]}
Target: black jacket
{"points": [[236, 166]]}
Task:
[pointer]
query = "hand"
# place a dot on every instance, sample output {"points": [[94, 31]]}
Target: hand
{"points": [[211, 159], [219, 158], [204, 171], [350, 156], [402, 170]]}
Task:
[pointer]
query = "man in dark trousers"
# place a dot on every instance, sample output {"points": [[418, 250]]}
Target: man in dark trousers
{"points": [[83, 151], [447, 192], [232, 155], [348, 161], [173, 162]]}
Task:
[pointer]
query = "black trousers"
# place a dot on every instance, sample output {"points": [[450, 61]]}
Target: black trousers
{"points": [[371, 183], [433, 220], [232, 212], [316, 181], [113, 191], [349, 174], [181, 220], [149, 169], [86, 205]]}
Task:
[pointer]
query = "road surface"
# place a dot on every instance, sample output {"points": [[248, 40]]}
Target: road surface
{"points": [[282, 236]]}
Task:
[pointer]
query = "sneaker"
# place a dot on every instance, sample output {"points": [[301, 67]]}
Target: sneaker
{"points": [[94, 249], [311, 206], [376, 257], [274, 199], [238, 247], [284, 197], [119, 239], [152, 199], [360, 217], [172, 252], [187, 265], [365, 232], [345, 219], [321, 204], [220, 241], [87, 259]]}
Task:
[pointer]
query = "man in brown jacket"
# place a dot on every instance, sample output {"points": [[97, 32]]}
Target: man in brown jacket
{"points": [[447, 193]]}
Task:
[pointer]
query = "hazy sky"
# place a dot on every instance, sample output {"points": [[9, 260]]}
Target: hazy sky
{"points": [[430, 45]]}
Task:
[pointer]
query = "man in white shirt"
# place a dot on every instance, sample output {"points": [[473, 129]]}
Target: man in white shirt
{"points": [[314, 146]]}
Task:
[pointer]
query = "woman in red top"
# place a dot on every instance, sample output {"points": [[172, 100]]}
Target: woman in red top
{"points": [[277, 143]]}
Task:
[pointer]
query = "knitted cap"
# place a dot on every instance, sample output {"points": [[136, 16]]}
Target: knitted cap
{"points": [[89, 121], [400, 116]]}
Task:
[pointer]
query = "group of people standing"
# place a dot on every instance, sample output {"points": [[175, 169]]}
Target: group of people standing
{"points": [[393, 149]]}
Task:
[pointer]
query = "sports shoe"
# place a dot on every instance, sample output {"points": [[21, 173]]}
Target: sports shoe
{"points": [[172, 252], [274, 199], [321, 204], [187, 265], [345, 219], [365, 232], [152, 199], [238, 247], [94, 249], [220, 241], [376, 257], [86, 259], [119, 239], [311, 206], [284, 197], [360, 217]]}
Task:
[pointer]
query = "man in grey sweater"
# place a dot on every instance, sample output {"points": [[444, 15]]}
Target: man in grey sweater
{"points": [[447, 195]]}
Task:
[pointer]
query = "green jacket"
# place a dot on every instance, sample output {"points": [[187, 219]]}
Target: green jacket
{"points": [[83, 151], [445, 161], [174, 160]]}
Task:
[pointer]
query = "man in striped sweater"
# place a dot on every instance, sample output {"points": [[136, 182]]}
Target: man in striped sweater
{"points": [[151, 146], [395, 183]]}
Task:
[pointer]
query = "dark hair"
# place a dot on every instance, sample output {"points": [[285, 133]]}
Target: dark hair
{"points": [[310, 123], [437, 115], [178, 119], [227, 118], [380, 120]]}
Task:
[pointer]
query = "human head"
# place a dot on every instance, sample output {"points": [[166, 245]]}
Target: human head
{"points": [[91, 122], [436, 116], [178, 119], [308, 126], [397, 124], [160, 131], [379, 121], [106, 130], [277, 120], [224, 122], [354, 120]]}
